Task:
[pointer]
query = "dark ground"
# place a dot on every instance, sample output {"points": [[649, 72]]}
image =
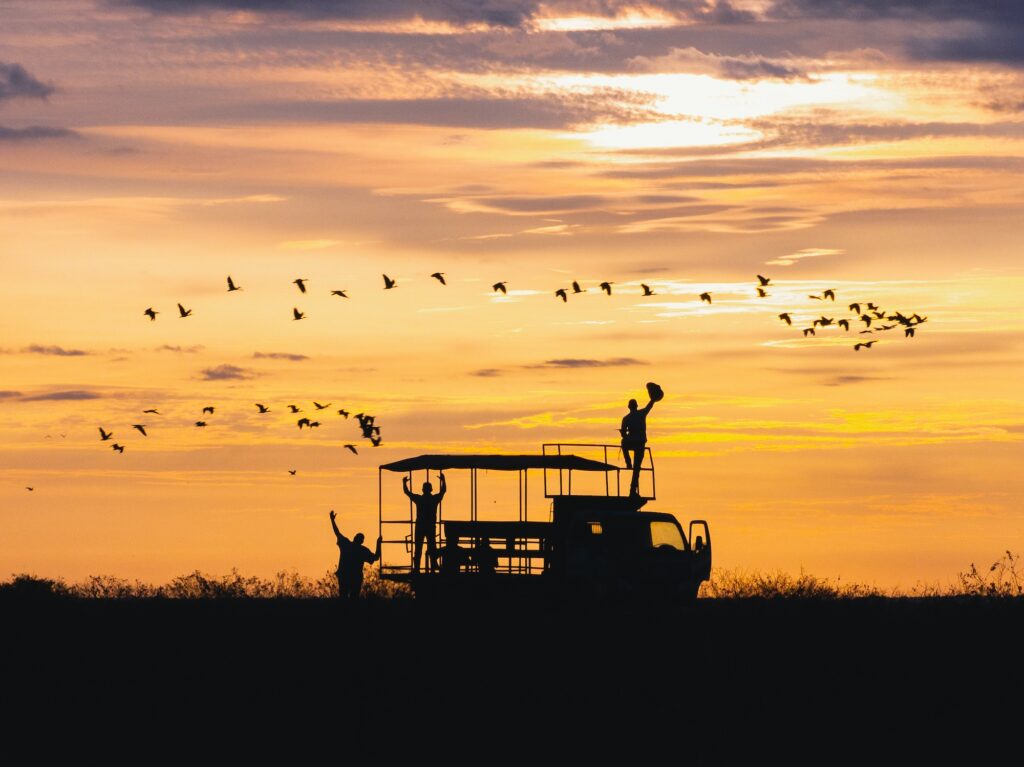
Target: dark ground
{"points": [[720, 678]]}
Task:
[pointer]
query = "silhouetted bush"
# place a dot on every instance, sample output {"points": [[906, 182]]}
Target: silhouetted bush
{"points": [[738, 584], [25, 586], [1003, 579]]}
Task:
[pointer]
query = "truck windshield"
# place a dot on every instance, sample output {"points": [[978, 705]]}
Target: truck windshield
{"points": [[666, 534]]}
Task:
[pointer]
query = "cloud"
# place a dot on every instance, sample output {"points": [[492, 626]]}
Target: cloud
{"points": [[792, 258], [571, 362], [57, 351], [180, 349], [16, 82], [72, 394], [35, 133], [845, 380], [692, 61], [9, 394], [227, 373], [487, 372], [279, 356]]}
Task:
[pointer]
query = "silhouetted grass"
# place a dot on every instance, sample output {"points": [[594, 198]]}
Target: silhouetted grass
{"points": [[1004, 578]]}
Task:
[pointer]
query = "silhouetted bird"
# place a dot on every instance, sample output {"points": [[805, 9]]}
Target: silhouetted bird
{"points": [[647, 290], [560, 293], [200, 424], [499, 287], [140, 427], [263, 408], [352, 448], [231, 285], [706, 297], [297, 315], [388, 282], [209, 409], [294, 409], [118, 448], [313, 424], [439, 276], [786, 318], [918, 318], [105, 435], [908, 332], [303, 422], [183, 311], [339, 293], [151, 313], [607, 287], [808, 332], [152, 410], [301, 282], [855, 308], [761, 293], [763, 280], [343, 412], [886, 327], [30, 489], [844, 324], [830, 294], [871, 307], [576, 287], [823, 321], [375, 441], [318, 406], [865, 344], [866, 331], [866, 319], [292, 471]]}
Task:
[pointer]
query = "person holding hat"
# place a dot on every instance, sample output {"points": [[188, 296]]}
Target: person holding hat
{"points": [[634, 434]]}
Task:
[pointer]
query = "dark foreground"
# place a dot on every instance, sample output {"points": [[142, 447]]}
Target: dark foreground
{"points": [[700, 679]]}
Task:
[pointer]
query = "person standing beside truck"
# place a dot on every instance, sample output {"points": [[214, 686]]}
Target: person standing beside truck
{"points": [[425, 528]]}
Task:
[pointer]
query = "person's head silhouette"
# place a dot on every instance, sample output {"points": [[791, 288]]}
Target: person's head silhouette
{"points": [[632, 404], [698, 544], [428, 488], [358, 539]]}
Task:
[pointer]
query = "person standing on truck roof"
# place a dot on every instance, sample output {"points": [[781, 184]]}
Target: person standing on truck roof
{"points": [[634, 440], [426, 521], [352, 555]]}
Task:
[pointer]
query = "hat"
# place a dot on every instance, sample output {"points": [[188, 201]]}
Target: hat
{"points": [[654, 392]]}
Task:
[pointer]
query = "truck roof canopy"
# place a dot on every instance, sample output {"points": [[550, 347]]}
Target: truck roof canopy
{"points": [[497, 463]]}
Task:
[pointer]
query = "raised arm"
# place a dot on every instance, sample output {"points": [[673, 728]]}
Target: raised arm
{"points": [[334, 525], [444, 486], [647, 409], [405, 486]]}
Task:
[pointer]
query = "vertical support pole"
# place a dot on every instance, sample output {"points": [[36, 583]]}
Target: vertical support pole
{"points": [[380, 514]]}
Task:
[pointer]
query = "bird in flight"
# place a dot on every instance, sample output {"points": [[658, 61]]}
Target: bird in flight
{"points": [[866, 331], [152, 410], [808, 332], [607, 287], [184, 312], [761, 293], [439, 276], [263, 408], [908, 332], [375, 441], [647, 290], [499, 287], [200, 424], [151, 313], [231, 285], [321, 407], [294, 408], [917, 318], [388, 282], [30, 489], [301, 282], [865, 344], [303, 422], [871, 307], [560, 293], [339, 293], [313, 424], [343, 412], [786, 318], [844, 324], [105, 435], [208, 409], [292, 471], [352, 448], [866, 319], [141, 427], [763, 280], [823, 321], [117, 447], [855, 308], [297, 315], [706, 297], [816, 298], [576, 287], [830, 294]]}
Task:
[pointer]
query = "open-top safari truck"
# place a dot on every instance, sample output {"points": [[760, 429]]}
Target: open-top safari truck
{"points": [[591, 538]]}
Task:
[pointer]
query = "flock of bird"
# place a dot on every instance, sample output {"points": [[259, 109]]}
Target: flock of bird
{"points": [[367, 425]]}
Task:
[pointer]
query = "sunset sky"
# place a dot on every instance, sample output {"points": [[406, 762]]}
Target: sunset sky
{"points": [[151, 148]]}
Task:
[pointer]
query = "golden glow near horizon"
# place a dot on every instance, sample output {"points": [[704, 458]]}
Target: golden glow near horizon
{"points": [[682, 151]]}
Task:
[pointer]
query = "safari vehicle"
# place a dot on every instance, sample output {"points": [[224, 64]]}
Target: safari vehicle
{"points": [[592, 539]]}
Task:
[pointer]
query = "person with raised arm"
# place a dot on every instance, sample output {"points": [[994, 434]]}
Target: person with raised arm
{"points": [[352, 555]]}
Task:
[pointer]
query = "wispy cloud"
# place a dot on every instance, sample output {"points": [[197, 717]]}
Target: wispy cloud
{"points": [[35, 133], [72, 394], [56, 351], [16, 82], [9, 394], [573, 362], [227, 373], [279, 356], [792, 258], [180, 349]]}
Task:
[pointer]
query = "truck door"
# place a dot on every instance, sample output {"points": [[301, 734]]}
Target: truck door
{"points": [[700, 544]]}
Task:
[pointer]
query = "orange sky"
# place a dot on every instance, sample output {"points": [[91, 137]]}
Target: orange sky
{"points": [[148, 150]]}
